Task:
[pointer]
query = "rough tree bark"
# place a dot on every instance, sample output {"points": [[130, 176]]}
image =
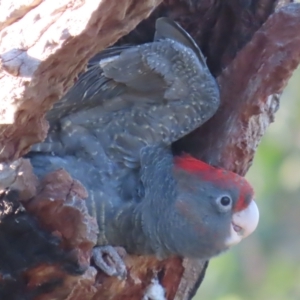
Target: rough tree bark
{"points": [[46, 235]]}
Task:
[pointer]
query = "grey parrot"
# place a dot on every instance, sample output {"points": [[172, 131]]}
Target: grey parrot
{"points": [[113, 132]]}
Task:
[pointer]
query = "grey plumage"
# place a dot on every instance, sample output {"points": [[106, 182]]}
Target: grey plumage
{"points": [[131, 98], [135, 96]]}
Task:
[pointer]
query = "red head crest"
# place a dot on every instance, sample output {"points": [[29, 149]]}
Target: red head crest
{"points": [[220, 177]]}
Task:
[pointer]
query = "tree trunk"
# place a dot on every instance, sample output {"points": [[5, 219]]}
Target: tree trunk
{"points": [[46, 235]]}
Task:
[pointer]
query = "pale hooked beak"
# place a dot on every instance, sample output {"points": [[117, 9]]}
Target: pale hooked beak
{"points": [[243, 224]]}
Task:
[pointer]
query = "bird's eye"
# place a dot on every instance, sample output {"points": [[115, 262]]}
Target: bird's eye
{"points": [[224, 203]]}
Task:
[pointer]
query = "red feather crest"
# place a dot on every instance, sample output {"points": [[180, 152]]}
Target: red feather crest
{"points": [[218, 176]]}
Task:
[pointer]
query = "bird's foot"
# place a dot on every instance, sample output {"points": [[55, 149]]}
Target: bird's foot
{"points": [[109, 260]]}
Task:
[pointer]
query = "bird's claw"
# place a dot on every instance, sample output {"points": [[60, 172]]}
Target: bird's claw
{"points": [[109, 260]]}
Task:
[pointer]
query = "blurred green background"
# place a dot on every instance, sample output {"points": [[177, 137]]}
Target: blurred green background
{"points": [[266, 266]]}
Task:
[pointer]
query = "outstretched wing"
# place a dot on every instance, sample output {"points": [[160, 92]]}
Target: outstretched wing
{"points": [[133, 96], [137, 72], [90, 89]]}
